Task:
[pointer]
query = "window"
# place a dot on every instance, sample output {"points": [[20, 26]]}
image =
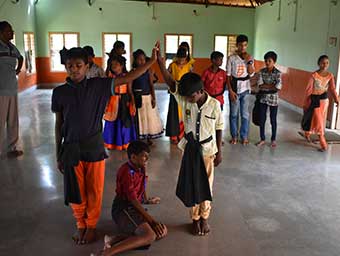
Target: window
{"points": [[110, 38], [57, 42], [29, 52], [225, 44], [172, 41]]}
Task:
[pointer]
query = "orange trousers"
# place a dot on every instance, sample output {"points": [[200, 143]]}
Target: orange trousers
{"points": [[90, 176]]}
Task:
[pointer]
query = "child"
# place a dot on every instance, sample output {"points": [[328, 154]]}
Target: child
{"points": [[203, 123], [215, 78], [316, 101], [149, 121], [118, 133], [174, 124], [240, 67], [117, 50], [79, 106], [186, 46], [269, 84], [94, 69], [137, 227]]}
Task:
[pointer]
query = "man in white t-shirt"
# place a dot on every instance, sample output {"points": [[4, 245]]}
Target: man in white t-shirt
{"points": [[240, 67]]}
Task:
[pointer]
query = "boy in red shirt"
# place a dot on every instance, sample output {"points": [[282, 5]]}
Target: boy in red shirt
{"points": [[215, 78], [138, 229]]}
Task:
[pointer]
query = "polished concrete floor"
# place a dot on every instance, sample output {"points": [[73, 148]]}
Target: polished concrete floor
{"points": [[282, 202]]}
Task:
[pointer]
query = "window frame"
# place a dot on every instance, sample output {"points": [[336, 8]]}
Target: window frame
{"points": [[180, 34], [35, 52], [115, 33], [227, 35], [49, 46]]}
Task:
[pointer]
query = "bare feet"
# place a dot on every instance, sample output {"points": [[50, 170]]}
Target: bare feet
{"points": [[260, 143], [109, 241], [153, 200], [196, 228], [14, 153], [205, 228], [233, 141], [89, 236], [273, 144], [78, 235], [245, 142]]}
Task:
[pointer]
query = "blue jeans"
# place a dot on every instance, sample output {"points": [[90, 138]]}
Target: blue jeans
{"points": [[240, 106]]}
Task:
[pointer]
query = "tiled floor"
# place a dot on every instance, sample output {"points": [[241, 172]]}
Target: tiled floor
{"points": [[282, 202]]}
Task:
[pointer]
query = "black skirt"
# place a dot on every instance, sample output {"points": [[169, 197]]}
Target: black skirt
{"points": [[172, 121]]}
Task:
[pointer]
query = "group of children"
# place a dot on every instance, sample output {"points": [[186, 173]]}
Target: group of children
{"points": [[197, 101]]}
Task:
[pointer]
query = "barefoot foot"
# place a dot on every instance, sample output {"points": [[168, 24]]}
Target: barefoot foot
{"points": [[233, 141], [260, 143], [78, 235], [205, 228], [196, 228], [89, 236]]}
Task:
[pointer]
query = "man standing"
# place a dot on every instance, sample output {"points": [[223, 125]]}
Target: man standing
{"points": [[10, 65]]}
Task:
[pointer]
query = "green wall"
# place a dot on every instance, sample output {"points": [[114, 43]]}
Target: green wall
{"points": [[317, 21], [136, 17], [22, 18]]}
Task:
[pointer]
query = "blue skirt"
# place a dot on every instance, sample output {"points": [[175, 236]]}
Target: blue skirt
{"points": [[117, 136]]}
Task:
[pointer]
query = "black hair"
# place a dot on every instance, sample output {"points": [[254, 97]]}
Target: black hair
{"points": [[77, 53], [189, 84], [3, 25], [241, 39], [270, 55], [89, 50], [181, 53], [137, 147], [215, 55], [187, 46], [118, 45], [135, 55], [120, 59], [321, 58]]}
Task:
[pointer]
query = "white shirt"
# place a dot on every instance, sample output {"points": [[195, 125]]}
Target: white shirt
{"points": [[237, 67], [211, 120]]}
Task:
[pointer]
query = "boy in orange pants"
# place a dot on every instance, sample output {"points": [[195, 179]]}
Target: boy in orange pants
{"points": [[79, 106]]}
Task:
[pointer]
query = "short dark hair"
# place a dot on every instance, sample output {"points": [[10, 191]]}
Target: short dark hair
{"points": [[89, 50], [270, 55], [77, 53], [181, 53], [321, 58], [241, 39], [120, 59], [137, 147], [3, 25], [189, 84], [118, 45], [215, 55]]}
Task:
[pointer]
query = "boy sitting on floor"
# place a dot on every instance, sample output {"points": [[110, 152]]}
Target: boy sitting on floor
{"points": [[138, 229]]}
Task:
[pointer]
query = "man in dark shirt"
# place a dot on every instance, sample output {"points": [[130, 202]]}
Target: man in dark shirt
{"points": [[79, 106]]}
